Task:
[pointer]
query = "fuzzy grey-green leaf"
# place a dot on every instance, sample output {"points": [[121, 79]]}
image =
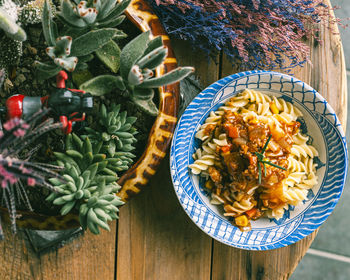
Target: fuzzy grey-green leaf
{"points": [[168, 78], [132, 52], [109, 54], [102, 85], [92, 41], [146, 105], [47, 24]]}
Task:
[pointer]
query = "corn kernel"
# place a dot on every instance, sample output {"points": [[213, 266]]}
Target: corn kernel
{"points": [[242, 221], [273, 108]]}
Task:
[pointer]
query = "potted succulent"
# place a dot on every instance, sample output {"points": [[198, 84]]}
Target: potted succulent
{"points": [[98, 85]]}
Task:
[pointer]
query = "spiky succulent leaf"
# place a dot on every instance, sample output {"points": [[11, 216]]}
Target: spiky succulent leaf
{"points": [[109, 54], [63, 46]]}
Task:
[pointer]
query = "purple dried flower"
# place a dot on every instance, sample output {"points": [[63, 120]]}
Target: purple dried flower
{"points": [[16, 136], [258, 34]]}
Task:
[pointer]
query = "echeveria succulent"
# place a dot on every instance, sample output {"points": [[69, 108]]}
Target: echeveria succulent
{"points": [[90, 185], [115, 129], [138, 60]]}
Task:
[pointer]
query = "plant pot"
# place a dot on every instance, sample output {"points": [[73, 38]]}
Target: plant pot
{"points": [[137, 177]]}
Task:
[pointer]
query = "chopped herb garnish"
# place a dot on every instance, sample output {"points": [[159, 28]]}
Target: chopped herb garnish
{"points": [[259, 169], [261, 160]]}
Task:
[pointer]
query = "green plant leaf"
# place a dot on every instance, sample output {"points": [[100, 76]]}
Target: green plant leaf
{"points": [[46, 66], [92, 41], [102, 85], [46, 74], [74, 32], [111, 148], [120, 35], [153, 59], [81, 76], [81, 66], [67, 207], [143, 93], [106, 7], [132, 52], [146, 105], [112, 23], [154, 44], [109, 54], [47, 24], [68, 63], [86, 58], [117, 10], [169, 78], [68, 15]]}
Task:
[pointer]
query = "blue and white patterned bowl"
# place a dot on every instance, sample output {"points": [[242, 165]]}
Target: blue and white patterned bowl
{"points": [[326, 135]]}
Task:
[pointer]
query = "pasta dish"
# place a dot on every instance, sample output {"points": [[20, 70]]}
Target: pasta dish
{"points": [[253, 158]]}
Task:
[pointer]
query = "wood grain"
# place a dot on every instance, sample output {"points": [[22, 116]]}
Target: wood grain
{"points": [[327, 75], [87, 257], [156, 240]]}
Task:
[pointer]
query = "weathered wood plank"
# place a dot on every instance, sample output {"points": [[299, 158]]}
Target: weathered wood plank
{"points": [[327, 75], [156, 240], [88, 257]]}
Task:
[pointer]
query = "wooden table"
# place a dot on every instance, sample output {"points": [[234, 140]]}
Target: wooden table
{"points": [[154, 238]]}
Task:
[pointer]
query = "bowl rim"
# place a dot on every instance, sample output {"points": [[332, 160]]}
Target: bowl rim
{"points": [[218, 86]]}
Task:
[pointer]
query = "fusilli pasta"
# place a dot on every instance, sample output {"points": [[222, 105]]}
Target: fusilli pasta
{"points": [[253, 157]]}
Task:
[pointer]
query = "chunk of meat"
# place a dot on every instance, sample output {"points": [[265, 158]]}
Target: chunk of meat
{"points": [[234, 162], [215, 174], [209, 129]]}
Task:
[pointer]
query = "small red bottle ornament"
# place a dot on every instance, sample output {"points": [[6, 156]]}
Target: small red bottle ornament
{"points": [[67, 105]]}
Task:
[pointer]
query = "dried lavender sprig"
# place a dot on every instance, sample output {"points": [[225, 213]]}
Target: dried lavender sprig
{"points": [[258, 34], [16, 136]]}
